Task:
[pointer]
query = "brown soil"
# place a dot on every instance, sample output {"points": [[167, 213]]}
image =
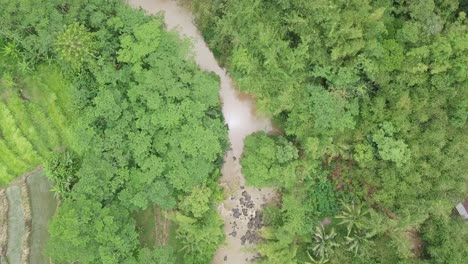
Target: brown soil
{"points": [[336, 175], [416, 242], [3, 222], [26, 252]]}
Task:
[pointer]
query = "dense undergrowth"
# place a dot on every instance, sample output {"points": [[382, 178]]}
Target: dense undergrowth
{"points": [[372, 98], [147, 130]]}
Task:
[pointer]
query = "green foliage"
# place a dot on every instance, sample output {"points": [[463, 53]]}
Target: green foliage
{"points": [[390, 148], [61, 170], [286, 225], [84, 230], [322, 198], [321, 260], [15, 138], [149, 129], [323, 242], [329, 112], [353, 216], [31, 24], [269, 161], [74, 45], [358, 243], [363, 154], [372, 93], [200, 238], [276, 251], [34, 109], [198, 202], [445, 239], [156, 255], [371, 96], [143, 41]]}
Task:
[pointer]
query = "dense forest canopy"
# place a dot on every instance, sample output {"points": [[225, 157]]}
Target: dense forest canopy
{"points": [[371, 98], [149, 129], [374, 96]]}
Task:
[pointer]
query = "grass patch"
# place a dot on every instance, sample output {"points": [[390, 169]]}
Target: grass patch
{"points": [[155, 229], [145, 226], [175, 243]]}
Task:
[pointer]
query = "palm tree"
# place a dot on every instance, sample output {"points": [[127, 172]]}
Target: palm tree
{"points": [[189, 245], [358, 243], [353, 217], [337, 149], [323, 243], [321, 260]]}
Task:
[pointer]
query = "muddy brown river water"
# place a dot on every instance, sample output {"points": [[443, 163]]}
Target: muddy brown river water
{"points": [[241, 210]]}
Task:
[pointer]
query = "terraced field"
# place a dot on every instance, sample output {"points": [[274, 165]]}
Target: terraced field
{"points": [[27, 205], [34, 114]]}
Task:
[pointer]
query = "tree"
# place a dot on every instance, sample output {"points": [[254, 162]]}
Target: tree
{"points": [[390, 148], [323, 242], [321, 260], [74, 45], [269, 161], [364, 154], [200, 239], [84, 230], [383, 80], [445, 239], [198, 202], [359, 243], [353, 216]]}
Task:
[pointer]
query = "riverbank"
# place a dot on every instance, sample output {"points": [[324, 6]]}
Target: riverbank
{"points": [[241, 210]]}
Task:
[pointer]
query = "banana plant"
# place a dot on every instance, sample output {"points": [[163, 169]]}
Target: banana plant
{"points": [[353, 217], [358, 243], [323, 242], [321, 260]]}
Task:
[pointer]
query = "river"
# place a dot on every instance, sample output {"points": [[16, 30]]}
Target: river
{"points": [[241, 210]]}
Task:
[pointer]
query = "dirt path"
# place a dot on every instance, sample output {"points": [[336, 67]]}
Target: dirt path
{"points": [[162, 227], [241, 210]]}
